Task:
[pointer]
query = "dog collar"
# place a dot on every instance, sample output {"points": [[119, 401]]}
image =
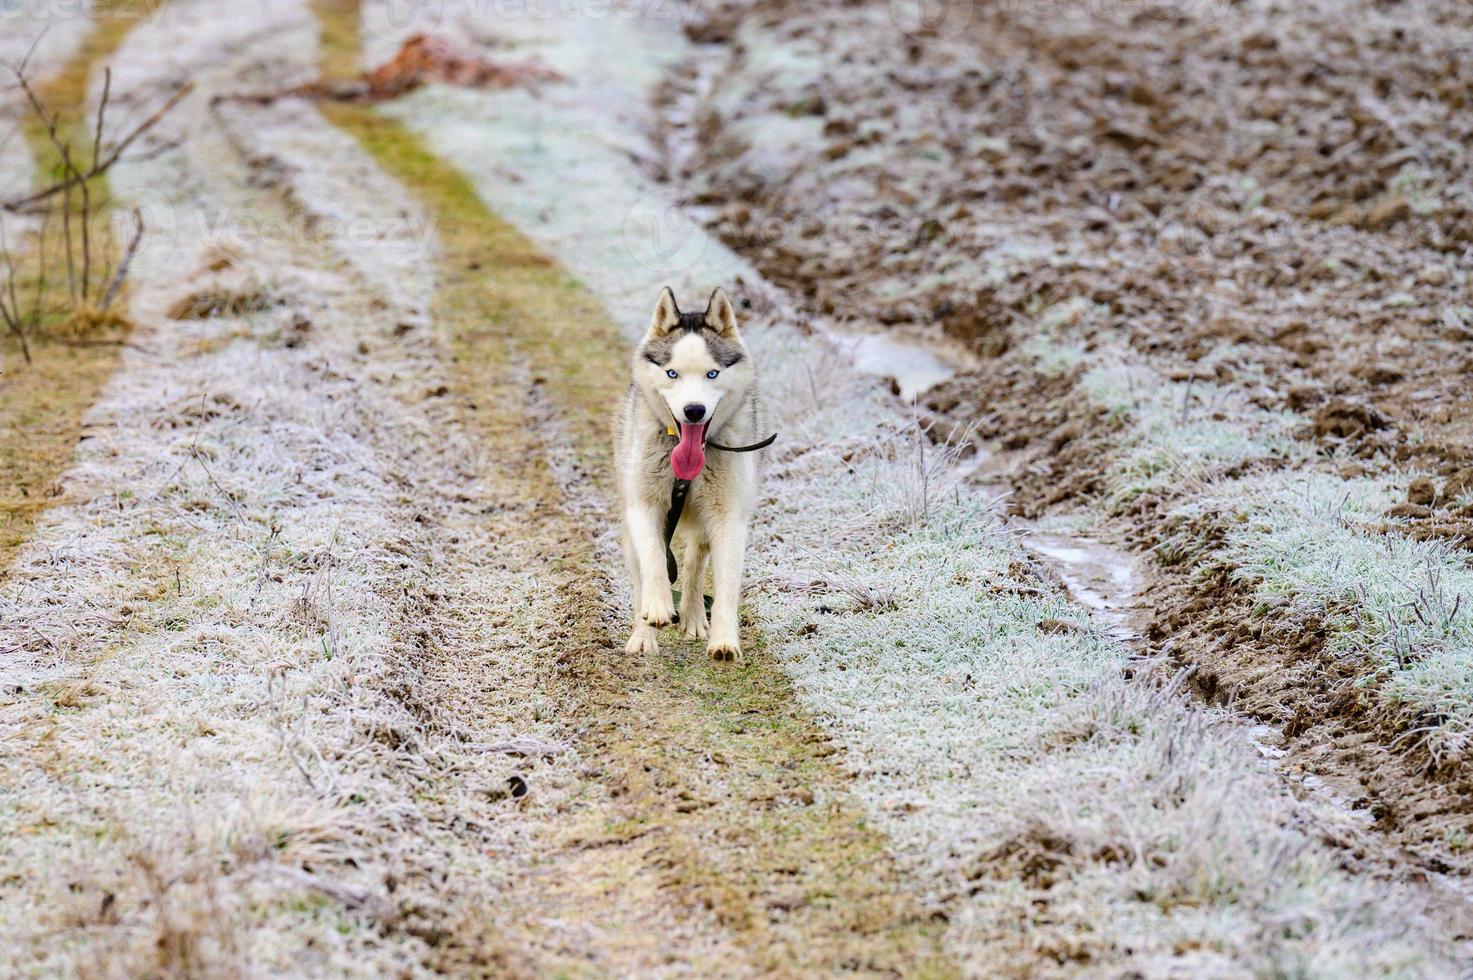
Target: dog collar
{"points": [[670, 431]]}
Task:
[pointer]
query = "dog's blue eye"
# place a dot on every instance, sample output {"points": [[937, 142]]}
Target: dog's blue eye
{"points": [[672, 373], [712, 374]]}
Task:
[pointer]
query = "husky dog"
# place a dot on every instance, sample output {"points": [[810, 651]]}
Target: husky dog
{"points": [[692, 376]]}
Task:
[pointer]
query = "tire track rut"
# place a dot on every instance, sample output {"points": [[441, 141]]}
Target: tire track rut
{"points": [[702, 788]]}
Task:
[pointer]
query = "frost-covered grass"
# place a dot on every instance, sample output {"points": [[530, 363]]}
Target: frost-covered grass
{"points": [[1060, 813], [1410, 603], [1297, 534], [1016, 761], [213, 761], [1181, 433]]}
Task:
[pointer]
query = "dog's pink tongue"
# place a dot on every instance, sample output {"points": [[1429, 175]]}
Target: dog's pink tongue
{"points": [[690, 453]]}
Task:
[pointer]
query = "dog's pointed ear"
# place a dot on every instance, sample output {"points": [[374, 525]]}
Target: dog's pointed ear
{"points": [[720, 316], [667, 314]]}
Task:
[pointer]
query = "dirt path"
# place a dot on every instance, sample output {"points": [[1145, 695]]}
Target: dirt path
{"points": [[874, 671], [664, 816], [316, 666], [721, 794]]}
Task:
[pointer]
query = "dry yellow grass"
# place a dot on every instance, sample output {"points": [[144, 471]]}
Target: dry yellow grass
{"points": [[42, 403]]}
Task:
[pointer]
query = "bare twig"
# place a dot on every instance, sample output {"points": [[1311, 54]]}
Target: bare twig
{"points": [[10, 301], [113, 156], [66, 234], [107, 87], [351, 898], [42, 269], [121, 272], [86, 188], [89, 277]]}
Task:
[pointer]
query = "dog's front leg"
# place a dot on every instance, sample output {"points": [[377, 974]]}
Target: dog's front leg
{"points": [[642, 638], [728, 550], [693, 589], [656, 605]]}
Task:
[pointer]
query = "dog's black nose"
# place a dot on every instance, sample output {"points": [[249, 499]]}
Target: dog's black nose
{"points": [[695, 413]]}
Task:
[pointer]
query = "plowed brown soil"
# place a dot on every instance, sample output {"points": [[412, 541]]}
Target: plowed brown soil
{"points": [[1276, 200]]}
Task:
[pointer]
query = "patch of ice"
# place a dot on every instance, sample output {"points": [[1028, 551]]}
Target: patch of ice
{"points": [[914, 367]]}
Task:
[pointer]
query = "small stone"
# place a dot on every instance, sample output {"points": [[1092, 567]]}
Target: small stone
{"points": [[1458, 484], [1300, 397], [1346, 419], [1381, 374], [1434, 275], [1387, 213]]}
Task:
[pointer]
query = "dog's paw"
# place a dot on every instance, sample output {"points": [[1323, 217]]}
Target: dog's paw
{"points": [[642, 640], [694, 625], [658, 609], [725, 651]]}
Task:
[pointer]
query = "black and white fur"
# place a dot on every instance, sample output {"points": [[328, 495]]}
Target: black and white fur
{"points": [[722, 496]]}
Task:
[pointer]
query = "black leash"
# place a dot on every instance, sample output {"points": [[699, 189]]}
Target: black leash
{"points": [[745, 449], [672, 517], [678, 492]]}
